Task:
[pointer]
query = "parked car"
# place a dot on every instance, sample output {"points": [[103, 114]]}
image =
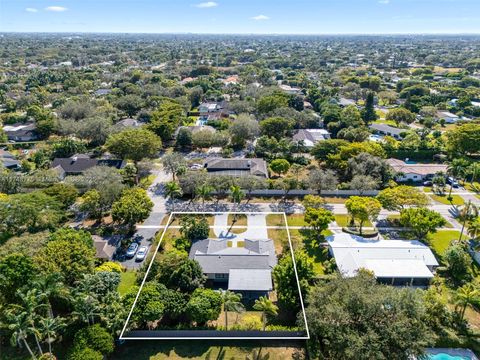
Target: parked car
{"points": [[451, 181], [141, 253], [196, 167], [132, 250], [428, 183]]}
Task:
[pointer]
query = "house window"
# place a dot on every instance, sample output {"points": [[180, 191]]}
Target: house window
{"points": [[221, 276]]}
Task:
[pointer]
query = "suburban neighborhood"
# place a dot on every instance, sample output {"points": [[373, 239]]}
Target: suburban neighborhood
{"points": [[239, 196]]}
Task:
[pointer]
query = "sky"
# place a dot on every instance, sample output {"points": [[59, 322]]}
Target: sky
{"points": [[242, 16]]}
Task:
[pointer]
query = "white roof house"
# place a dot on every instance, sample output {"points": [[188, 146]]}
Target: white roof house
{"points": [[387, 259]]}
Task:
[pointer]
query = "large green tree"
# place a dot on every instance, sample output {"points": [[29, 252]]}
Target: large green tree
{"points": [[354, 318], [421, 220], [133, 206], [134, 144]]}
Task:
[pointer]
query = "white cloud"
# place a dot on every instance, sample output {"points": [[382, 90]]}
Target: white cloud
{"points": [[32, 10], [208, 4], [56, 8], [385, 2], [260, 17]]}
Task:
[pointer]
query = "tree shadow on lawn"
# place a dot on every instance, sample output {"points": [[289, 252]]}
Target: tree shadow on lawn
{"points": [[312, 244], [201, 349]]}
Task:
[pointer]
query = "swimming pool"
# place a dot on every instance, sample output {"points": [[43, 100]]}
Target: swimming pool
{"points": [[443, 356], [450, 354]]}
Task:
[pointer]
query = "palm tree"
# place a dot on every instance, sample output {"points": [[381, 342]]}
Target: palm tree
{"points": [[173, 190], [236, 194], [204, 192], [49, 286], [31, 302], [466, 295], [231, 302], [267, 307], [49, 328], [19, 324], [473, 228], [467, 213], [474, 170], [86, 309]]}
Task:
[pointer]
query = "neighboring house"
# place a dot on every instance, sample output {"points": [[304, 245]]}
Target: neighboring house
{"points": [[237, 167], [77, 164], [128, 123], [343, 102], [393, 262], [453, 102], [387, 130], [102, 92], [448, 117], [246, 270], [206, 108], [104, 248], [8, 160], [195, 129], [21, 132], [291, 90], [311, 136], [415, 172]]}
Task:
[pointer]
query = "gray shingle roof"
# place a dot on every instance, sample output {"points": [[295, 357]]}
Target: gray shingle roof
{"points": [[250, 280], [216, 257], [257, 167]]}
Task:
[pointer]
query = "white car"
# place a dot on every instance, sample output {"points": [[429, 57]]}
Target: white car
{"points": [[196, 167], [141, 253]]}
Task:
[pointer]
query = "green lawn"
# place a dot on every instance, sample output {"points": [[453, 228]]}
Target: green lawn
{"points": [[456, 199], [442, 239], [127, 281], [205, 349], [343, 220]]}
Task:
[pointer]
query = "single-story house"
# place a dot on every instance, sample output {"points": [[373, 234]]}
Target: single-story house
{"points": [[387, 130], [8, 160], [102, 92], [415, 172], [21, 132], [129, 123], [393, 262], [209, 108], [246, 270], [343, 102], [105, 248], [291, 90], [311, 136], [237, 167], [79, 163], [448, 117], [195, 129]]}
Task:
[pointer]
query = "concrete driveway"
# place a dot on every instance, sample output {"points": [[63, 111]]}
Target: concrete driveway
{"points": [[256, 227]]}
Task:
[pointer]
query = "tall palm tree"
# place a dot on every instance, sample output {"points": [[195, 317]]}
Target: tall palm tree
{"points": [[267, 307], [204, 192], [173, 190], [49, 328], [467, 213], [231, 302], [31, 303], [236, 194], [466, 295], [18, 323], [49, 286], [86, 308]]}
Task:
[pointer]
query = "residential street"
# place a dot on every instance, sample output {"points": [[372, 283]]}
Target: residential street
{"points": [[150, 226]]}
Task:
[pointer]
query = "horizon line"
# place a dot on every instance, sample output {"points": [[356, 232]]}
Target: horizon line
{"points": [[244, 34]]}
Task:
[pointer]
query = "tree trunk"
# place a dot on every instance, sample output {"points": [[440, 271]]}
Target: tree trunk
{"points": [[226, 319], [29, 349], [38, 345], [264, 319], [50, 347]]}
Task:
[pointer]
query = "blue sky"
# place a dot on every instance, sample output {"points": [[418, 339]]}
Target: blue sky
{"points": [[242, 16]]}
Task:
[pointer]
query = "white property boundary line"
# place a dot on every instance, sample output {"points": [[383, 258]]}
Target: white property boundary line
{"points": [[220, 337]]}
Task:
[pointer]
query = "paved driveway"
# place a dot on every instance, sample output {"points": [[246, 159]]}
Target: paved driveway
{"points": [[256, 227], [145, 233]]}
